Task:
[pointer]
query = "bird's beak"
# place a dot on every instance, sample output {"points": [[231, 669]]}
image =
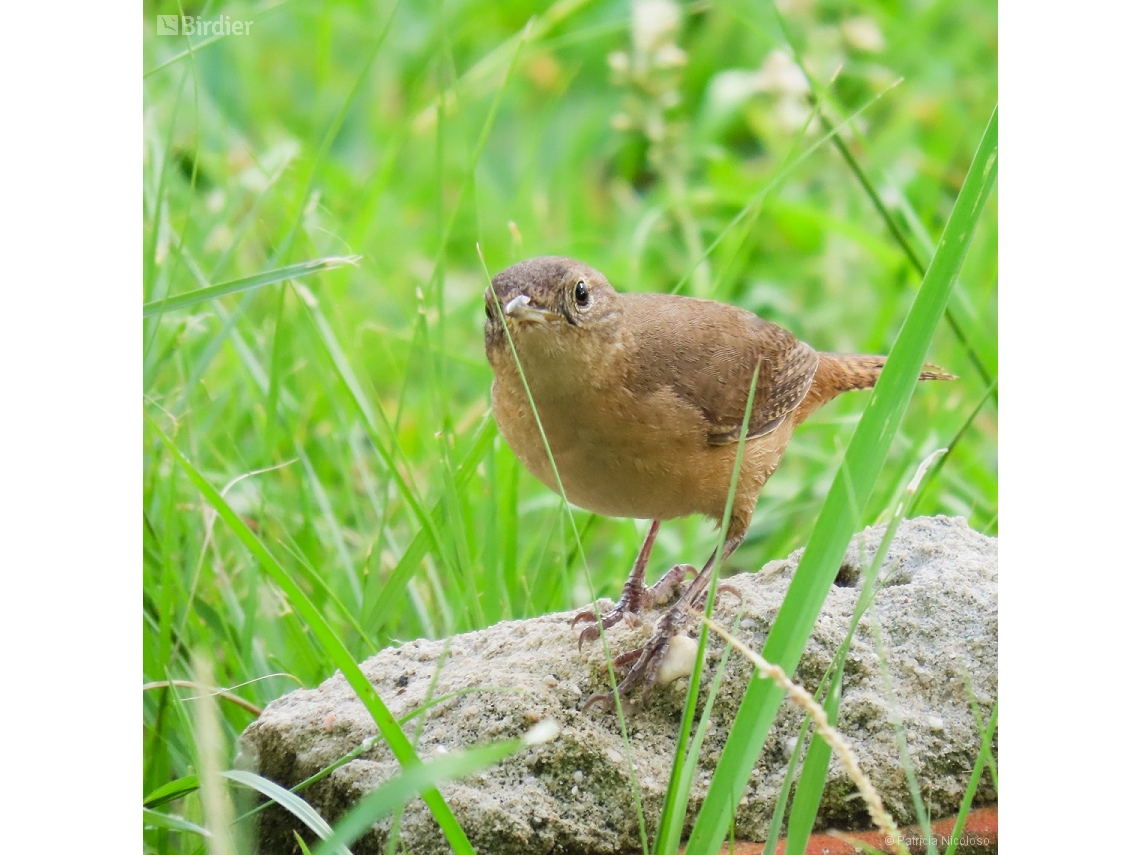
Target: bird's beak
{"points": [[518, 308]]}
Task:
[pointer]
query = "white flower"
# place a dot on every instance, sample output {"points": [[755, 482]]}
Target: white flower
{"points": [[780, 75], [654, 23], [862, 33]]}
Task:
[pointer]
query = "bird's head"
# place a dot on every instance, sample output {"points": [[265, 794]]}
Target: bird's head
{"points": [[552, 307]]}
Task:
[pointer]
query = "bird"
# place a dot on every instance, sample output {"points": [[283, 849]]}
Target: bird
{"points": [[642, 399]]}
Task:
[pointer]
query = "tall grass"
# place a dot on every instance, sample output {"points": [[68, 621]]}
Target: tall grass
{"points": [[347, 411], [845, 501]]}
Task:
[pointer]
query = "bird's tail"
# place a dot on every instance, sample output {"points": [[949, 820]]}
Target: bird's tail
{"points": [[842, 372], [848, 371]]}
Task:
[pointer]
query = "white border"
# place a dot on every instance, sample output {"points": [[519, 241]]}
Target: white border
{"points": [[1070, 192], [70, 427]]}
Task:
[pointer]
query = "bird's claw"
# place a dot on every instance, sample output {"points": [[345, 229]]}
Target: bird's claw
{"points": [[607, 620], [624, 659], [728, 589], [635, 598], [587, 614], [606, 699], [643, 676]]}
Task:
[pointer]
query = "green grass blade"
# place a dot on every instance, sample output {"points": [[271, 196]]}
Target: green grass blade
{"points": [[816, 97], [778, 812], [391, 795], [952, 319], [680, 778], [813, 777], [329, 515], [990, 762], [331, 133], [972, 785], [368, 744], [320, 583], [170, 791], [372, 420], [333, 646], [684, 767], [752, 207], [156, 819], [248, 283], [921, 809], [389, 597], [840, 516], [290, 801]]}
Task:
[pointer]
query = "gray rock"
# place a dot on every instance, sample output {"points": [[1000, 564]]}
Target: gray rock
{"points": [[938, 618]]}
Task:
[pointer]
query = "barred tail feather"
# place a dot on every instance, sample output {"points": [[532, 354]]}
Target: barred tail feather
{"points": [[842, 372]]}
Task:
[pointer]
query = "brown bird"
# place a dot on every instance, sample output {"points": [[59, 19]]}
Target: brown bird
{"points": [[642, 398]]}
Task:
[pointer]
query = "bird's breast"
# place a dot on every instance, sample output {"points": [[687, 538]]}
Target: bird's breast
{"points": [[618, 452]]}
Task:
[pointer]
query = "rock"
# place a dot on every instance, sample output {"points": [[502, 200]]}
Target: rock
{"points": [[938, 617]]}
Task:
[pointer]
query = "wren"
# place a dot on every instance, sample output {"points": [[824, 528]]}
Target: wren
{"points": [[642, 398]]}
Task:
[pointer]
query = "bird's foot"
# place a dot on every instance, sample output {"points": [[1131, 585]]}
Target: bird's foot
{"points": [[635, 598], [668, 655]]}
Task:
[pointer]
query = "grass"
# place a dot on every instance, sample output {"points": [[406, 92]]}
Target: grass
{"points": [[371, 500], [848, 495]]}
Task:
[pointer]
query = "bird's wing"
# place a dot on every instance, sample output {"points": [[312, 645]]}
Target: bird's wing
{"points": [[707, 351]]}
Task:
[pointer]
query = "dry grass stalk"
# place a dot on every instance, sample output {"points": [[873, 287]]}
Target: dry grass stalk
{"points": [[839, 744]]}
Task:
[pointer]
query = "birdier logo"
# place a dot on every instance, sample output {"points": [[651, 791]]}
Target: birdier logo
{"points": [[196, 25]]}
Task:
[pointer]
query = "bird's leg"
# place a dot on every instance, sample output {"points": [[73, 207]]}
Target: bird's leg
{"points": [[644, 672], [635, 596]]}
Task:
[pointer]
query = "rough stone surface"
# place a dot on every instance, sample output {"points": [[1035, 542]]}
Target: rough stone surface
{"points": [[938, 618]]}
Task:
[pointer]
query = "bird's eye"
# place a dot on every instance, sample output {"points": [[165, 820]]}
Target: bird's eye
{"points": [[581, 294]]}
